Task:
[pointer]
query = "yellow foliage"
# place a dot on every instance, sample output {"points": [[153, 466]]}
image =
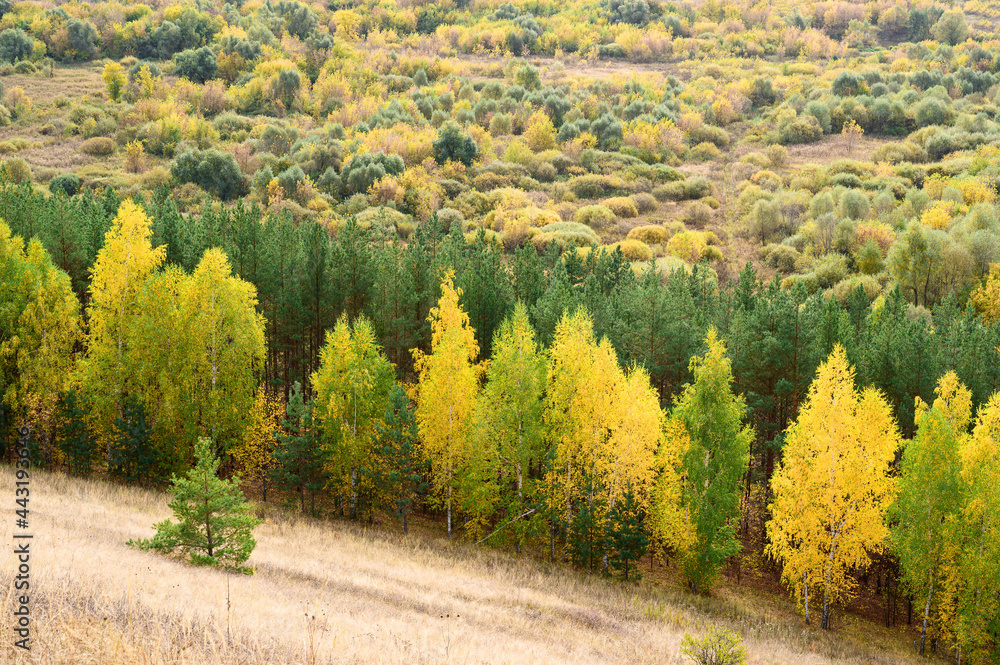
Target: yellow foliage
{"points": [[986, 298], [255, 452], [938, 216], [540, 132], [834, 485]]}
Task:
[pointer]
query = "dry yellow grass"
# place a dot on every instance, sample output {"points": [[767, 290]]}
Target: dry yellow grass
{"points": [[332, 594]]}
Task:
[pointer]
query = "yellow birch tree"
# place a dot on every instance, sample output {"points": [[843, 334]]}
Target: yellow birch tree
{"points": [[834, 486], [447, 390]]}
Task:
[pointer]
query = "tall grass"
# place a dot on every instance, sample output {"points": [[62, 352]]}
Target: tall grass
{"points": [[329, 593]]}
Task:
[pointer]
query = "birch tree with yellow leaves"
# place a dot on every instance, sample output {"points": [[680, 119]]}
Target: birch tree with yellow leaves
{"points": [[352, 387], [255, 452], [447, 390], [509, 432], [978, 603], [123, 265], [39, 325], [833, 487]]}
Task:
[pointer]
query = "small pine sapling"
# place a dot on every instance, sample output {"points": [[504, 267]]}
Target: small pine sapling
{"points": [[214, 522]]}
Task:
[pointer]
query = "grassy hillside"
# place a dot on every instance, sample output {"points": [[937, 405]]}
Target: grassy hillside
{"points": [[327, 593]]}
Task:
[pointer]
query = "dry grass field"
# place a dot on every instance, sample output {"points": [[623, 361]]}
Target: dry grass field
{"points": [[326, 593]]}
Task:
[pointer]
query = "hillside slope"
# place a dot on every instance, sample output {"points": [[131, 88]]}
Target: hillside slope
{"points": [[324, 593]]}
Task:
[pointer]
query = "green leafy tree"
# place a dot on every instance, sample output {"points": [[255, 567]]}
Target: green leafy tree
{"points": [[214, 522], [509, 415], [951, 28], [927, 508], [715, 462], [352, 390], [15, 45], [214, 171], [197, 65]]}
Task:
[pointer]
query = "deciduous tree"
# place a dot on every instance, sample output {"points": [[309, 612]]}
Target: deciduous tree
{"points": [[448, 387], [834, 485], [714, 463]]}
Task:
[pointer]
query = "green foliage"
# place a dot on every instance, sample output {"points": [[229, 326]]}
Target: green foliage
{"points": [[73, 438], [719, 647], [714, 463], [405, 476], [453, 144], [133, 455], [197, 65], [214, 522], [363, 170], [301, 457], [212, 170], [627, 536], [65, 183], [15, 45]]}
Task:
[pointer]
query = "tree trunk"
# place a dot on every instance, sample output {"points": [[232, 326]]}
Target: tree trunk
{"points": [[449, 512], [825, 625], [406, 528], [927, 612], [805, 586], [354, 493]]}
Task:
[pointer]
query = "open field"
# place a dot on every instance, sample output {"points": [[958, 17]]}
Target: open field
{"points": [[327, 594]]}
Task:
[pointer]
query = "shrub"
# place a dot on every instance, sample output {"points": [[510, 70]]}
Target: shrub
{"points": [[719, 647], [633, 249], [214, 171], [594, 216], [777, 155], [830, 269], [198, 65], [17, 170], [15, 45], [595, 186], [65, 183], [214, 522], [705, 152], [804, 129], [99, 146], [448, 217], [363, 170], [622, 206], [82, 37], [455, 145], [651, 234], [645, 203], [717, 136]]}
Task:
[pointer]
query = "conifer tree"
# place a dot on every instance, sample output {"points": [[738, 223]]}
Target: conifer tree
{"points": [[628, 535], [301, 458], [714, 463], [834, 485], [214, 522], [72, 436], [405, 465]]}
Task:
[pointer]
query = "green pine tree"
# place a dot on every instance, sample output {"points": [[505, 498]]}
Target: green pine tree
{"points": [[214, 522], [405, 475], [134, 457], [301, 458], [72, 436], [628, 539]]}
